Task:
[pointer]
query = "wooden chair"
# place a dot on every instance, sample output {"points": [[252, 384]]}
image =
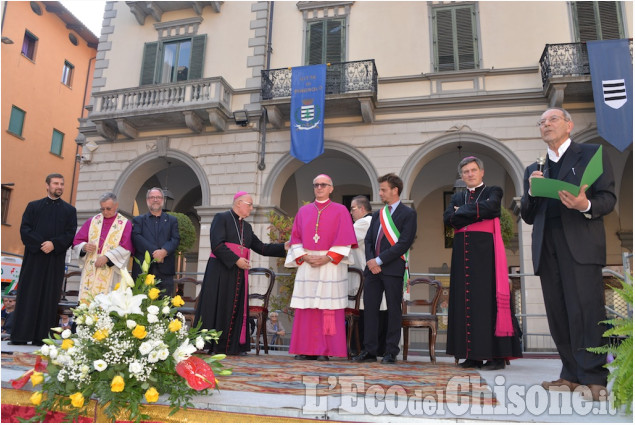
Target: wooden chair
{"points": [[421, 320], [352, 314], [65, 304], [189, 308], [261, 313]]}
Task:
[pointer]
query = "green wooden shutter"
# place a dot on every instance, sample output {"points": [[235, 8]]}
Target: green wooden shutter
{"points": [[584, 13], [16, 122], [315, 43], [335, 41], [444, 40], [198, 57], [610, 25], [465, 39], [149, 65]]}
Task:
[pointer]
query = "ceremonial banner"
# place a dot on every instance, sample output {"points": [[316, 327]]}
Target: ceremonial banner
{"points": [[612, 79], [308, 85]]}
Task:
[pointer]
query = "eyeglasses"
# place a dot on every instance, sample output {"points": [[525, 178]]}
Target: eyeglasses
{"points": [[354, 208], [106, 209], [155, 197], [251, 204], [321, 185], [550, 120]]}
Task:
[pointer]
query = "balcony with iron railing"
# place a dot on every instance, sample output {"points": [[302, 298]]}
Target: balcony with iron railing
{"points": [[193, 104], [565, 72], [351, 89]]}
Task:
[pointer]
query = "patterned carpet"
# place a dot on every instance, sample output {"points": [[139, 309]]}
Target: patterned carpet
{"points": [[281, 374]]}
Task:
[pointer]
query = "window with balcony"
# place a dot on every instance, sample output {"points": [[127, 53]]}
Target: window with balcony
{"points": [[57, 142], [16, 122], [6, 199], [455, 41], [28, 45], [597, 20], [325, 41], [67, 73], [170, 61]]}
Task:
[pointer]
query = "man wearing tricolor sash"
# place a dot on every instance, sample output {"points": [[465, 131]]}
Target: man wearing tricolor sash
{"points": [[103, 245], [321, 242], [480, 321], [392, 231]]}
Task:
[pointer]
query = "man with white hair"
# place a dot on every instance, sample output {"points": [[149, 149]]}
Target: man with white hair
{"points": [[321, 242], [104, 245]]}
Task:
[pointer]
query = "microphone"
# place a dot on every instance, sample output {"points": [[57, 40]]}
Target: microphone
{"points": [[541, 160]]}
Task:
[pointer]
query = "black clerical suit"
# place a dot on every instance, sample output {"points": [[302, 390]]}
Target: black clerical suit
{"points": [[149, 233], [389, 280], [569, 250]]}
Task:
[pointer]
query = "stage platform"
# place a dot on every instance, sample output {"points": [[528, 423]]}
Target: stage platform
{"points": [[277, 388]]}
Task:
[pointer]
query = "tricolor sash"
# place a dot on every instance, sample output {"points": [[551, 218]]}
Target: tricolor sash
{"points": [[392, 234]]}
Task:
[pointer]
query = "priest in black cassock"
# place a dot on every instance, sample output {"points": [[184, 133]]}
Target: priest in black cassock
{"points": [[47, 231], [481, 325], [224, 299]]}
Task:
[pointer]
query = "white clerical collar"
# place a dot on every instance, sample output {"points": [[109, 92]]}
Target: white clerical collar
{"points": [[321, 202], [472, 189], [561, 150]]}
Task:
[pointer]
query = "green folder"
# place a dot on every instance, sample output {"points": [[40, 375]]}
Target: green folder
{"points": [[549, 188]]}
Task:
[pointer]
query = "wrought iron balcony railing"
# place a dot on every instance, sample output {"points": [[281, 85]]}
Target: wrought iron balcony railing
{"points": [[566, 60], [343, 77], [163, 97]]}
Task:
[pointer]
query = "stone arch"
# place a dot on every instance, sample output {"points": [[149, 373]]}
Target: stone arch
{"points": [[447, 143], [287, 165], [139, 170]]}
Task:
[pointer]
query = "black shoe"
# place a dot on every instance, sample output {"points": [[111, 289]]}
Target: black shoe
{"points": [[495, 364], [364, 356], [242, 353], [17, 343], [322, 358], [305, 357], [389, 359], [469, 363], [37, 343]]}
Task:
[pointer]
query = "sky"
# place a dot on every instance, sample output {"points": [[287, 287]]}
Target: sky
{"points": [[90, 12]]}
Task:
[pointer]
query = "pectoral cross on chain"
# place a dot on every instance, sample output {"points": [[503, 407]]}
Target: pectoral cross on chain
{"points": [[316, 238]]}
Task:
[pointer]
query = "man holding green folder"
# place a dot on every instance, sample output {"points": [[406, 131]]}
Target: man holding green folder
{"points": [[566, 200]]}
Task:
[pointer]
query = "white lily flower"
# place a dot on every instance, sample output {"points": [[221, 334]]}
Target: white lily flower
{"points": [[57, 329], [100, 365], [200, 343], [126, 280], [124, 303], [184, 351]]}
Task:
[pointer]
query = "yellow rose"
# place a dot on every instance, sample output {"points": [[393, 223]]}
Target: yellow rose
{"points": [[36, 398], [152, 395], [117, 285], [175, 325], [149, 279], [77, 399], [177, 301], [139, 332], [117, 385], [100, 335], [153, 293], [37, 378], [67, 343]]}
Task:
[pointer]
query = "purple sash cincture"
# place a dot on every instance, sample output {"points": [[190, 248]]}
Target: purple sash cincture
{"points": [[244, 252]]}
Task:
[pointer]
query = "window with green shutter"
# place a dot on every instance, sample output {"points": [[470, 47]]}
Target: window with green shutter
{"points": [[16, 122], [597, 20], [171, 61], [56, 142], [455, 42], [325, 41]]}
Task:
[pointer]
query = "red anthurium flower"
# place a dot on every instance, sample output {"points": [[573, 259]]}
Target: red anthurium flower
{"points": [[40, 366], [198, 374]]}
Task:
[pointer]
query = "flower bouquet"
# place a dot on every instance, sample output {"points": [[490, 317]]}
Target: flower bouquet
{"points": [[130, 347]]}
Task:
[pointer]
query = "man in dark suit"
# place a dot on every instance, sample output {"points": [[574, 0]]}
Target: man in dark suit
{"points": [[157, 233], [385, 270], [569, 250]]}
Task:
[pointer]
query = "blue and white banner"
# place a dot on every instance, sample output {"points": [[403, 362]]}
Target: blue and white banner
{"points": [[308, 84], [612, 79]]}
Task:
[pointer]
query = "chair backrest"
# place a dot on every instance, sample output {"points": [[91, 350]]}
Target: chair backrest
{"points": [[358, 296], [260, 295], [432, 300], [188, 281], [69, 292]]}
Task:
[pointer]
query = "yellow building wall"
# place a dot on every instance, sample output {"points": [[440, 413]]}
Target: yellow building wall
{"points": [[36, 87]]}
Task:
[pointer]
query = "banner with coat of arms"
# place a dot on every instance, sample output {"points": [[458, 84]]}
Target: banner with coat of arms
{"points": [[612, 79], [308, 85]]}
